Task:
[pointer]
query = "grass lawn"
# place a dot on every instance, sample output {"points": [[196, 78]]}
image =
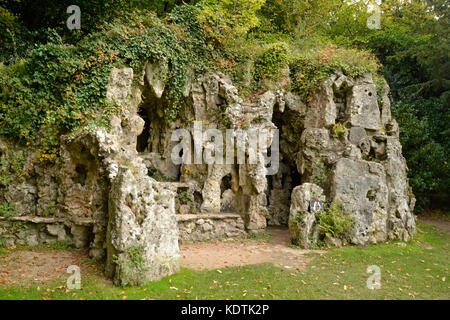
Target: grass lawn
{"points": [[417, 271]]}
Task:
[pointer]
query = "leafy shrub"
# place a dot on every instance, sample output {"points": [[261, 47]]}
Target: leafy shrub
{"points": [[184, 197], [425, 149], [334, 221], [12, 167], [271, 61], [309, 69], [226, 19], [339, 130]]}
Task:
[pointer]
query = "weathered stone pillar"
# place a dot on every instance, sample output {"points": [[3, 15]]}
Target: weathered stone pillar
{"points": [[142, 236]]}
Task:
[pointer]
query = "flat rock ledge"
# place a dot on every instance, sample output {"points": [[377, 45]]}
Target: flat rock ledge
{"points": [[210, 226]]}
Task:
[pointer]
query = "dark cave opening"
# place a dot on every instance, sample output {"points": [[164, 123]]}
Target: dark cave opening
{"points": [[340, 100], [142, 139], [280, 185], [81, 176]]}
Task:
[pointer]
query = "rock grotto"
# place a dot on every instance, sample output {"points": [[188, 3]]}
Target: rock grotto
{"points": [[118, 192]]}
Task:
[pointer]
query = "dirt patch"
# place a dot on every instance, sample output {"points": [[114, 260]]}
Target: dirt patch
{"points": [[28, 267], [443, 225], [229, 253]]}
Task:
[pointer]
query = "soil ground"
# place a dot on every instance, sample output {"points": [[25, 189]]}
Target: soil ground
{"points": [[29, 267], [220, 254]]}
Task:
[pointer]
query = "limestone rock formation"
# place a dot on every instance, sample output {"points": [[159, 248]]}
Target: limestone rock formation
{"points": [[351, 149], [142, 237]]}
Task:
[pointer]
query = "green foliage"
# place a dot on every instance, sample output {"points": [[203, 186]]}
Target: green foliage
{"points": [[12, 167], [17, 226], [136, 256], [309, 69], [321, 176], [423, 146], [226, 19], [7, 210], [271, 61], [184, 197], [62, 88], [50, 211], [334, 221], [339, 130]]}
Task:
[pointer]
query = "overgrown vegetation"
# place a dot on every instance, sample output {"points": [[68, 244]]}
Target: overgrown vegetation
{"points": [[321, 175], [333, 221], [61, 87], [339, 130], [12, 166], [271, 61], [7, 210], [184, 197]]}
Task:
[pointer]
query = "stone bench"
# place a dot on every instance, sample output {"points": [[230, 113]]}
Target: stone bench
{"points": [[202, 227]]}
